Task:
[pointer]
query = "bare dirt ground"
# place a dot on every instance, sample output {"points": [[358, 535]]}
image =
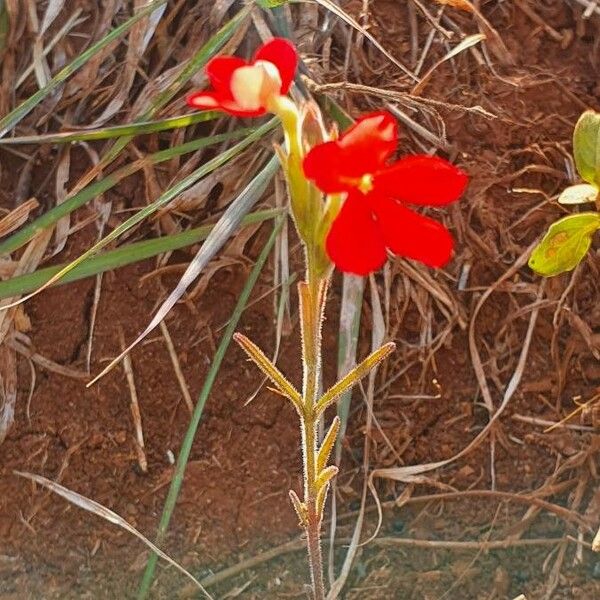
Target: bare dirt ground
{"points": [[428, 402]]}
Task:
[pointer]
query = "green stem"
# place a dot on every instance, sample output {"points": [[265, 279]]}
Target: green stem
{"points": [[312, 295], [313, 520]]}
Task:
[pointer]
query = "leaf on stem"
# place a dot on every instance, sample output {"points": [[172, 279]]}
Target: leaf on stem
{"points": [[306, 321], [327, 445], [321, 497], [270, 370], [322, 484], [354, 376], [565, 244], [300, 508], [586, 147], [325, 476]]}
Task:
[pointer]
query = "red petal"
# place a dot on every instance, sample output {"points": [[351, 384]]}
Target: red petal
{"points": [[219, 71], [363, 149], [324, 165], [426, 180], [219, 101], [354, 242], [369, 142], [409, 234], [282, 53]]}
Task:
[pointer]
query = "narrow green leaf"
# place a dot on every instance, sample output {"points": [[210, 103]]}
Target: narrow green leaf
{"points": [[188, 440], [29, 231], [270, 370], [169, 195], [104, 133], [325, 476], [299, 507], [565, 244], [268, 4], [579, 194], [13, 117], [327, 444], [120, 257], [354, 376], [586, 147], [336, 112]]}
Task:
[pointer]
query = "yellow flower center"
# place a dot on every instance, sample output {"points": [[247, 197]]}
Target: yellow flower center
{"points": [[365, 184]]}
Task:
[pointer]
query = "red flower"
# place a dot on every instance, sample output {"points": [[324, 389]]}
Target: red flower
{"points": [[245, 89], [374, 217]]}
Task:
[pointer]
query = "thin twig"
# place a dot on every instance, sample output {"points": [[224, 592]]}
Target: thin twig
{"points": [[553, 424], [135, 407], [177, 367]]}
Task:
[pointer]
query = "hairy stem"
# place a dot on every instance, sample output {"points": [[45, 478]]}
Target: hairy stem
{"points": [[306, 213], [313, 519], [312, 298]]}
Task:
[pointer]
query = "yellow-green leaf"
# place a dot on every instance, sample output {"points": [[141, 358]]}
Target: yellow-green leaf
{"points": [[586, 147], [271, 3], [579, 194], [565, 244]]}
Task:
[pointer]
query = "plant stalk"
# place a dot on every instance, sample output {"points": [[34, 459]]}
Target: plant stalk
{"points": [[312, 295]]}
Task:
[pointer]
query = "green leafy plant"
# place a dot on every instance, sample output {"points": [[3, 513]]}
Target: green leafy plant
{"points": [[569, 239]]}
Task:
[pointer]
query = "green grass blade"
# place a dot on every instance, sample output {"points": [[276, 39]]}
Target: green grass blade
{"points": [[188, 440], [105, 133], [177, 189], [164, 199], [114, 259], [12, 118], [93, 190], [336, 112]]}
